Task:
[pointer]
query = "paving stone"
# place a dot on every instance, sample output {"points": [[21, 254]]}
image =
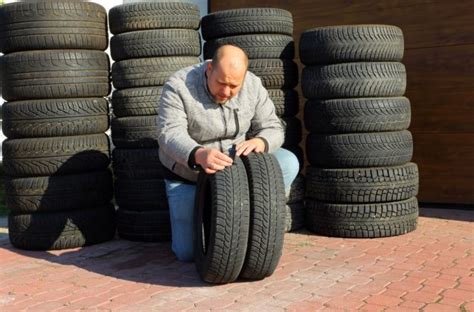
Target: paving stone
{"points": [[430, 269]]}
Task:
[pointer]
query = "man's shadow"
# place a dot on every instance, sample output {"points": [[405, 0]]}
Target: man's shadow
{"points": [[151, 263]]}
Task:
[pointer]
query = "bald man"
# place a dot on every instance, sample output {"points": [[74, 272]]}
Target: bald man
{"points": [[204, 111]]}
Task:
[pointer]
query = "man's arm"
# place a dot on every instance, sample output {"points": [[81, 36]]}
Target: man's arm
{"points": [[173, 134], [267, 130]]}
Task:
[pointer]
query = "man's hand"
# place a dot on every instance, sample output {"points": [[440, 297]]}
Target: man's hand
{"points": [[212, 160], [256, 145]]}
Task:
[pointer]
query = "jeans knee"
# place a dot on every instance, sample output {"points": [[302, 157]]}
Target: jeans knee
{"points": [[289, 165]]}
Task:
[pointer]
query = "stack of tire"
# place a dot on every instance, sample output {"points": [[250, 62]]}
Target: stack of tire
{"points": [[265, 34], [151, 41], [55, 77], [360, 182]]}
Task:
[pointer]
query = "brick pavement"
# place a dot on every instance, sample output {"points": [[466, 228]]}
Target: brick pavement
{"points": [[431, 269]]}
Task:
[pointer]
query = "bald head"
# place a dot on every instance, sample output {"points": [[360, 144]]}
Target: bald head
{"points": [[230, 55], [226, 73]]}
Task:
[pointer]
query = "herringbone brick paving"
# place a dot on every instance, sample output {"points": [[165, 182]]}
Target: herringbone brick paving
{"points": [[431, 269]]}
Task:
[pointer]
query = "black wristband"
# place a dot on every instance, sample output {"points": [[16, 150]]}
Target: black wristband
{"points": [[192, 159]]}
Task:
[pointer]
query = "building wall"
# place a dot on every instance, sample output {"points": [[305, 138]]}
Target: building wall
{"points": [[439, 58]]}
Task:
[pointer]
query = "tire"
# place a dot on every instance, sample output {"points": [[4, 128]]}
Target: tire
{"points": [[155, 42], [286, 102], [275, 73], [359, 149], [257, 46], [362, 185], [296, 190], [141, 16], [46, 74], [52, 25], [357, 115], [267, 217], [352, 80], [55, 117], [58, 193], [354, 43], [362, 220], [149, 226], [246, 21], [141, 195], [221, 224], [136, 101], [143, 163], [293, 131], [135, 132], [62, 230], [145, 72], [56, 155], [294, 216]]}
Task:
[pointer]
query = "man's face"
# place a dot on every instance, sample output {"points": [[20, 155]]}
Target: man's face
{"points": [[224, 82]]}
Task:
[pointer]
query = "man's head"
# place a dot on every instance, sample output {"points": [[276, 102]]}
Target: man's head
{"points": [[226, 73]]}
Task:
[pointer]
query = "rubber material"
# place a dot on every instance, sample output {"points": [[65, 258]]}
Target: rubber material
{"points": [[221, 224], [362, 185], [62, 230], [363, 220], [359, 149], [351, 43], [55, 117]]}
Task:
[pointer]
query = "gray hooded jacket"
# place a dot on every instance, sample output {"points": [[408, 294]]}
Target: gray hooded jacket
{"points": [[189, 117]]}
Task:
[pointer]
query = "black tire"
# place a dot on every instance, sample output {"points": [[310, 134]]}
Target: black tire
{"points": [[142, 163], [297, 190], [46, 74], [286, 102], [351, 80], [62, 230], [352, 43], [58, 193], [149, 226], [141, 195], [299, 153], [52, 25], [56, 155], [357, 115], [221, 224], [155, 42], [55, 117], [295, 216], [135, 132], [246, 21], [257, 46], [293, 131], [152, 71], [362, 185], [359, 149], [362, 220], [136, 101], [275, 73], [267, 216], [153, 15]]}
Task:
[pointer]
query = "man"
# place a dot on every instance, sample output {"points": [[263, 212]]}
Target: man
{"points": [[204, 110]]}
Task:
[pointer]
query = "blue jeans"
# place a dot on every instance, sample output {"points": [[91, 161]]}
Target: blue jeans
{"points": [[181, 203]]}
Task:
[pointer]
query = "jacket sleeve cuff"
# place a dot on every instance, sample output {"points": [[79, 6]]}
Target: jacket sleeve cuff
{"points": [[192, 159], [265, 142]]}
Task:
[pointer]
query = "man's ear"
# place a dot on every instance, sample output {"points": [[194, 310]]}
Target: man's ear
{"points": [[209, 68]]}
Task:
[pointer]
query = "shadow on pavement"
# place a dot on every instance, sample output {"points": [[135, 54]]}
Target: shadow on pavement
{"points": [[151, 263], [447, 212]]}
